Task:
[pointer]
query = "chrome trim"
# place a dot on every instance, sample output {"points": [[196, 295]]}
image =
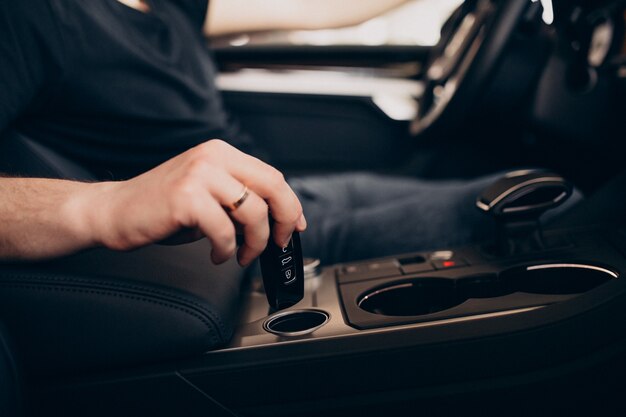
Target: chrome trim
{"points": [[511, 190], [383, 290], [394, 328], [468, 318], [481, 205], [579, 266], [311, 267], [280, 314], [423, 121], [529, 207], [519, 173]]}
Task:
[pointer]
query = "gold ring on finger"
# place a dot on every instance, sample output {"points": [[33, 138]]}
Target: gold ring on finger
{"points": [[240, 200]]}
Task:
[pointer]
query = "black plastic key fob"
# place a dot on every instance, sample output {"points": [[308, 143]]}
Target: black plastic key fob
{"points": [[283, 273]]}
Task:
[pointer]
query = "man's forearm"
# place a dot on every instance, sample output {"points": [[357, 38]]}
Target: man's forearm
{"points": [[233, 16], [43, 218]]}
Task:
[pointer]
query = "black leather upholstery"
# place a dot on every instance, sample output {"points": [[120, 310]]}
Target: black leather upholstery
{"points": [[101, 309], [9, 384]]}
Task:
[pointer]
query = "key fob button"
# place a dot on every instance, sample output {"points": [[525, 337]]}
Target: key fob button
{"points": [[289, 275], [286, 260], [288, 248], [283, 276]]}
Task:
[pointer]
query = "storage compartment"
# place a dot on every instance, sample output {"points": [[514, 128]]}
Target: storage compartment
{"points": [[468, 292], [412, 298], [556, 278], [295, 322]]}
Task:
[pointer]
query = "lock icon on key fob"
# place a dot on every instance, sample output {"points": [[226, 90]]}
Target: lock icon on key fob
{"points": [[283, 273]]}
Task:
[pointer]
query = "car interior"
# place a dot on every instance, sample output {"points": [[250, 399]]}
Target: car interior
{"points": [[529, 322]]}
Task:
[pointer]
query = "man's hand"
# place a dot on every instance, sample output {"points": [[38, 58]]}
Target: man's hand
{"points": [[188, 191]]}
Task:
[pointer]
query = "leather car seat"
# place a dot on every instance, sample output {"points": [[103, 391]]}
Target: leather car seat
{"points": [[9, 383], [101, 309]]}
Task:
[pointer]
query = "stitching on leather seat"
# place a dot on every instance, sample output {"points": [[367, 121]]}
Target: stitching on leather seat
{"points": [[115, 286], [207, 321]]}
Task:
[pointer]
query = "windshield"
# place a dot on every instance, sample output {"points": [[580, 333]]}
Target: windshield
{"points": [[417, 22]]}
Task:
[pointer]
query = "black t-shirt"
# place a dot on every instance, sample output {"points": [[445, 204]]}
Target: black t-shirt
{"points": [[108, 86]]}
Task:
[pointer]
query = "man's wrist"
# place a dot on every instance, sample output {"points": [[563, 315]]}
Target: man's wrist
{"points": [[88, 212]]}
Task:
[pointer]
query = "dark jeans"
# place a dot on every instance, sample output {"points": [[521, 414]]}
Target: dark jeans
{"points": [[358, 215]]}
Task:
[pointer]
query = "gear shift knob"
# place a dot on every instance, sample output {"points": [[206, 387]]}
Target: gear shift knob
{"points": [[516, 201]]}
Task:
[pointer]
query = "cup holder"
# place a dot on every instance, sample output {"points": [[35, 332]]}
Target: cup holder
{"points": [[422, 296], [411, 298], [483, 286], [295, 322], [556, 279]]}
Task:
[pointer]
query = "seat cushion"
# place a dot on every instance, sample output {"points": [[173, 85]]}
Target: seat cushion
{"points": [[102, 309]]}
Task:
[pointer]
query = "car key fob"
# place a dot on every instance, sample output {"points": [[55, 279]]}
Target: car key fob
{"points": [[283, 273]]}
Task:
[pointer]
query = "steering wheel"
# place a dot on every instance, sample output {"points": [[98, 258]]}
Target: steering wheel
{"points": [[473, 41]]}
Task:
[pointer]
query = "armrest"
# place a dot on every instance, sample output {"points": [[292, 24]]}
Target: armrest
{"points": [[102, 309]]}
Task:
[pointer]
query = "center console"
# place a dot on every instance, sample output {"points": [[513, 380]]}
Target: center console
{"points": [[535, 318], [524, 269], [503, 321], [423, 327], [414, 290]]}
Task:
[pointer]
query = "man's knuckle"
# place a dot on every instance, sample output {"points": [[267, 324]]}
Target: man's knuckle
{"points": [[184, 189], [225, 235], [297, 213], [182, 200], [259, 239], [122, 242], [198, 168], [275, 178], [179, 213], [205, 151], [290, 217], [214, 146], [258, 215]]}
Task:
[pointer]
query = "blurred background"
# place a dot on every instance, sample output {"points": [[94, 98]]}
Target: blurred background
{"points": [[415, 23]]}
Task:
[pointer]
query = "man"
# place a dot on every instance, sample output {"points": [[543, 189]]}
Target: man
{"points": [[126, 87]]}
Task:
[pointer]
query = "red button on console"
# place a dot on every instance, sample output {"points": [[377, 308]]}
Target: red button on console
{"points": [[450, 263]]}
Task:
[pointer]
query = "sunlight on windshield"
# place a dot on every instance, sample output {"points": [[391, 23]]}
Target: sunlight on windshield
{"points": [[417, 23]]}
